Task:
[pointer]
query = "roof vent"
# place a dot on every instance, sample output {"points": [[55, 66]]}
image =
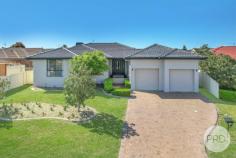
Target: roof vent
{"points": [[79, 43]]}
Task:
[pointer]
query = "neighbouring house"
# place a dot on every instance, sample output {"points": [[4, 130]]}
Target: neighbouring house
{"points": [[14, 59], [226, 50], [153, 68]]}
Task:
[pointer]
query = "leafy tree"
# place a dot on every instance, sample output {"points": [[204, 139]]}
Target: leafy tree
{"points": [[79, 86], [204, 50], [4, 85], [184, 47], [222, 68], [94, 61], [18, 45]]}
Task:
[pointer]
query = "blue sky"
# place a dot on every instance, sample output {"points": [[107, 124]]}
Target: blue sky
{"points": [[51, 23]]}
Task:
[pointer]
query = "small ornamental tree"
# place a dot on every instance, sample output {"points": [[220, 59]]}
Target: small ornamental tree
{"points": [[80, 85]]}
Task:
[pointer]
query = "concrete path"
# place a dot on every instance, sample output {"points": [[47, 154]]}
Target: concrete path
{"points": [[166, 125]]}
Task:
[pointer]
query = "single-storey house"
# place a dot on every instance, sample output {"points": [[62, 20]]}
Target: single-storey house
{"points": [[156, 67]]}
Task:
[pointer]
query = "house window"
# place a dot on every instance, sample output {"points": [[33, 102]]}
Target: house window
{"points": [[54, 68]]}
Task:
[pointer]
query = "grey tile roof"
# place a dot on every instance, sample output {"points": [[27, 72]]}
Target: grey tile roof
{"points": [[59, 53], [163, 52], [115, 50], [81, 48], [178, 53], [111, 50]]}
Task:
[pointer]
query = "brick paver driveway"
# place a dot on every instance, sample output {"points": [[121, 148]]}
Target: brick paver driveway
{"points": [[166, 125]]}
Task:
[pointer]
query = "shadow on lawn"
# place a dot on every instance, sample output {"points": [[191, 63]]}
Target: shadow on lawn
{"points": [[17, 90], [108, 124], [6, 124]]}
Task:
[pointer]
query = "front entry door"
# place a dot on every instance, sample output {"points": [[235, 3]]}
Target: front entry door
{"points": [[118, 67]]}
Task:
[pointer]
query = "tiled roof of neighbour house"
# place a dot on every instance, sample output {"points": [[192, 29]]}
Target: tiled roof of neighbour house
{"points": [[115, 50], [59, 53], [226, 50], [163, 52], [18, 53]]}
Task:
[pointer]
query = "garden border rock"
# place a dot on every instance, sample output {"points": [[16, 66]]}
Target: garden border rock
{"points": [[41, 118]]}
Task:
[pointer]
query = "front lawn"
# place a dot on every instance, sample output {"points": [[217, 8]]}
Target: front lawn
{"points": [[54, 138], [225, 107], [228, 95]]}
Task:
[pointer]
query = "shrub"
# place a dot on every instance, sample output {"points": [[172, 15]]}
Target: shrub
{"points": [[4, 86], [222, 68], [228, 95], [51, 108], [127, 83], [65, 108], [21, 114], [108, 85], [60, 114], [39, 105], [121, 92], [43, 114], [27, 107]]}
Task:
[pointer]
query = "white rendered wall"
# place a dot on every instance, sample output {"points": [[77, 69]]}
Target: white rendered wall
{"points": [[42, 80]]}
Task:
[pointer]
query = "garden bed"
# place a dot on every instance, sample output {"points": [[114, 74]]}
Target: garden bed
{"points": [[34, 110]]}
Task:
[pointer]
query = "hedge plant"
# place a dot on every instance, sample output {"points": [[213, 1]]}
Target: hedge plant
{"points": [[121, 92], [127, 83], [108, 85]]}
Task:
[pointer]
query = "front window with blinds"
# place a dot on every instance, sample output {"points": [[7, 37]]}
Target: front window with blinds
{"points": [[54, 68]]}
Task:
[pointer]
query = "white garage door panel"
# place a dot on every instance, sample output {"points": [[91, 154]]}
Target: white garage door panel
{"points": [[181, 80], [146, 79]]}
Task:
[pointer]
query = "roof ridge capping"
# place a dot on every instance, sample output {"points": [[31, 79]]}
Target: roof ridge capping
{"points": [[68, 50]]}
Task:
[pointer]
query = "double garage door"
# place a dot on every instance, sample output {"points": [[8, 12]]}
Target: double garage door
{"points": [[180, 80]]}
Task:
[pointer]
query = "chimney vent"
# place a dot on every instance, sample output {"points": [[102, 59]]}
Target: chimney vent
{"points": [[79, 43]]}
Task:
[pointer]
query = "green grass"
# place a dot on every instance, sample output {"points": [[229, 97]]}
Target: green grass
{"points": [[52, 138], [224, 107], [228, 95], [25, 94]]}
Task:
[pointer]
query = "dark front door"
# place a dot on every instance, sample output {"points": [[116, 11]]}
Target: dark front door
{"points": [[118, 67]]}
